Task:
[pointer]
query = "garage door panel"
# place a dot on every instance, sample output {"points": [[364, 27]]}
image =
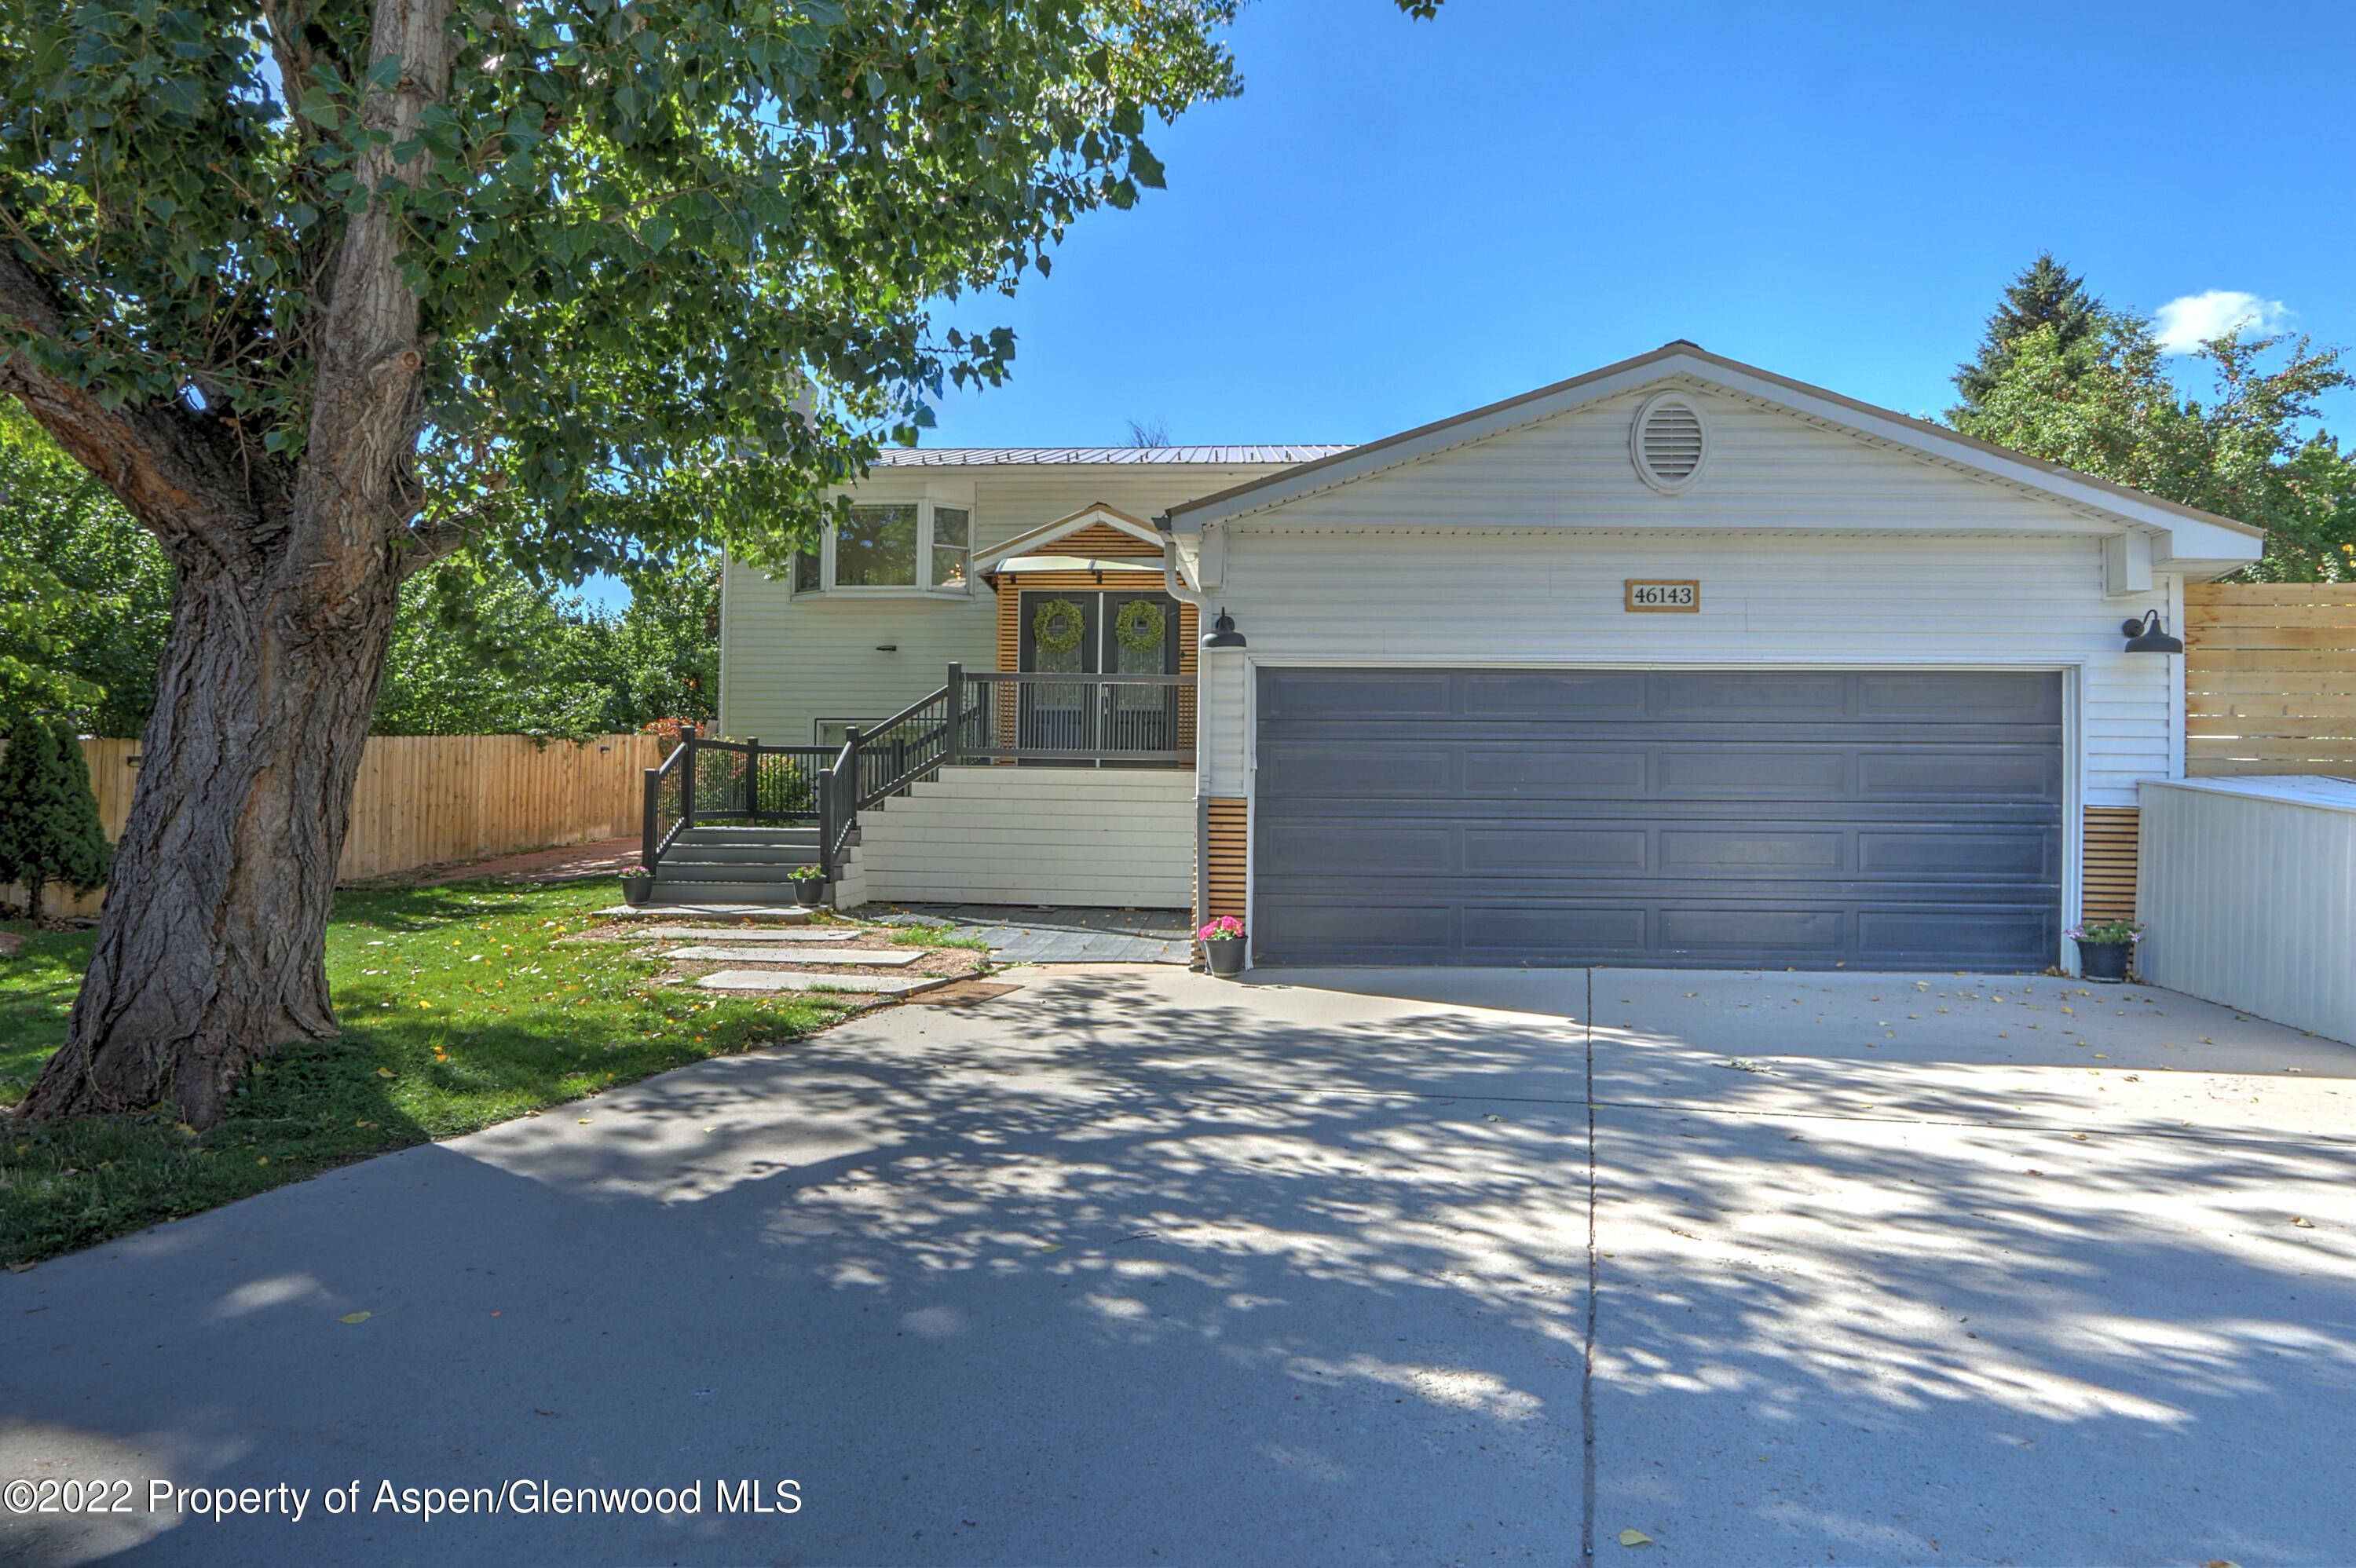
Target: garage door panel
{"points": [[1938, 774], [1749, 850], [1748, 772], [1342, 925], [1553, 852], [1962, 695], [1311, 849], [1608, 930], [1311, 770], [1664, 817], [2011, 936], [1327, 695], [1535, 696], [1747, 696], [1935, 851], [1570, 772], [1739, 932]]}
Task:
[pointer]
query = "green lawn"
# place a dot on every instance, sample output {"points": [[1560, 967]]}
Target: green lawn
{"points": [[460, 1008]]}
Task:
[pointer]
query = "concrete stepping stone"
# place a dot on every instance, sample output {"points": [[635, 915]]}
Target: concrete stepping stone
{"points": [[729, 933], [783, 914], [784, 980], [864, 957]]}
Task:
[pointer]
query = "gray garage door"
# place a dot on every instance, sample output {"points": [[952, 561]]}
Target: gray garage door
{"points": [[1872, 819]]}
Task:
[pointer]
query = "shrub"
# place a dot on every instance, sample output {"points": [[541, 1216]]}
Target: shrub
{"points": [[49, 829]]}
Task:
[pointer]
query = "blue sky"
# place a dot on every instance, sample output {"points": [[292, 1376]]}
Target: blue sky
{"points": [[1400, 220]]}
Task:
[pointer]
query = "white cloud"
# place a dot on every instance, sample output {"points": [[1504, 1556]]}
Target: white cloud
{"points": [[2186, 323]]}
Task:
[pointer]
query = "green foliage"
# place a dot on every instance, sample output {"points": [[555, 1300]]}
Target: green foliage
{"points": [[85, 594], [675, 257], [435, 1045], [2253, 451], [478, 651], [50, 829], [2045, 293]]}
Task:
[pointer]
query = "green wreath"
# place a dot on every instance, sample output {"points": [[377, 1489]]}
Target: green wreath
{"points": [[1142, 626], [1056, 626]]}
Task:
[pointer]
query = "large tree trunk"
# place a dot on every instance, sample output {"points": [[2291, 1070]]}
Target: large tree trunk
{"points": [[211, 948]]}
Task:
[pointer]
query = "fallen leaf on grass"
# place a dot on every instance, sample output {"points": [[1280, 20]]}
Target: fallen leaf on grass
{"points": [[384, 1072]]}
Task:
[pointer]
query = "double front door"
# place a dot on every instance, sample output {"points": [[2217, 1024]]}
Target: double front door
{"points": [[1078, 632]]}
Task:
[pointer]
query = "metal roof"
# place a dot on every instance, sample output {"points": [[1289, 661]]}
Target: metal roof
{"points": [[1281, 453]]}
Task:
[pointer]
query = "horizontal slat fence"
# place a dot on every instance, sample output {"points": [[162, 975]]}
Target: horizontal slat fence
{"points": [[432, 800], [2269, 679]]}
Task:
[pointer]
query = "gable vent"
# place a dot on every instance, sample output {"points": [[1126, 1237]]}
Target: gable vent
{"points": [[1669, 443]]}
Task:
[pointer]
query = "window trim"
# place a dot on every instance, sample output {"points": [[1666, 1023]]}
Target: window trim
{"points": [[922, 587], [819, 724]]}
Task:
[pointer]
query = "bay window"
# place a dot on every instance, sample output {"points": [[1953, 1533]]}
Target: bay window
{"points": [[891, 546]]}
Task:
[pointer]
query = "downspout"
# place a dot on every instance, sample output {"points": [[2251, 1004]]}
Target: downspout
{"points": [[1177, 589], [1171, 582]]}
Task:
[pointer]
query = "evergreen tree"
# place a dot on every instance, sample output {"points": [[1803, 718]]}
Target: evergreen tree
{"points": [[2044, 294], [50, 830]]}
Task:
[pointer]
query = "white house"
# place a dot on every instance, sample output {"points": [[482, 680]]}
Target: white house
{"points": [[1674, 662]]}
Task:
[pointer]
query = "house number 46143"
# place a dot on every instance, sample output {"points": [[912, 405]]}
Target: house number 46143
{"points": [[1664, 594]]}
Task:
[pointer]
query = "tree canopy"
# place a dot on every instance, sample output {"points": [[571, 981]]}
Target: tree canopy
{"points": [[327, 291], [2251, 445], [476, 651], [672, 261], [2044, 294], [85, 596]]}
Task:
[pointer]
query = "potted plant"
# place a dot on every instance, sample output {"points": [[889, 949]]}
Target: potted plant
{"points": [[1222, 946], [2106, 947], [810, 886], [637, 885]]}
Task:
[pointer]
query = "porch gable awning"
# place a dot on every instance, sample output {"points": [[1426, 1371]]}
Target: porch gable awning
{"points": [[1015, 566]]}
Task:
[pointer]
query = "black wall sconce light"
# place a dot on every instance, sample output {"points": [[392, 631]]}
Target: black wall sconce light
{"points": [[2144, 636], [1222, 633]]}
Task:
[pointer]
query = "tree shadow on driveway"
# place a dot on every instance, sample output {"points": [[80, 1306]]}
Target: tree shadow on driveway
{"points": [[1131, 1266]]}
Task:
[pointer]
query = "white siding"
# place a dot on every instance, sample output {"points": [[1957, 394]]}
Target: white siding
{"points": [[1812, 548], [1119, 837], [787, 662], [1767, 468], [2251, 901], [1476, 597]]}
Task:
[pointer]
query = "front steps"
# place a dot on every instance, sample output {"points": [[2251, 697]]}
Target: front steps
{"points": [[733, 866]]}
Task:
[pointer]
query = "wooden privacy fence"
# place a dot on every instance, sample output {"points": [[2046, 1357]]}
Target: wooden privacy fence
{"points": [[2269, 679], [429, 800]]}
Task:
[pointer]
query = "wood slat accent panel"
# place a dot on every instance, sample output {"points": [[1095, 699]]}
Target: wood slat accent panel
{"points": [[2110, 870], [2269, 678], [432, 800], [1101, 539], [1225, 825]]}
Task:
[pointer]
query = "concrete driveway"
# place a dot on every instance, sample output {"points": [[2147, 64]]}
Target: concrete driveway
{"points": [[1135, 1266]]}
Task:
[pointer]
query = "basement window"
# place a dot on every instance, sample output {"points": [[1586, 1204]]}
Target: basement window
{"points": [[892, 547]]}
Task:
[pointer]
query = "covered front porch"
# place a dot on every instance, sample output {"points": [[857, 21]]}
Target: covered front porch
{"points": [[1064, 775]]}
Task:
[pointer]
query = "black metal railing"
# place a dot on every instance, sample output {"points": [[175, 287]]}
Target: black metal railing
{"points": [[882, 760], [668, 791], [1035, 715], [989, 716], [717, 783]]}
